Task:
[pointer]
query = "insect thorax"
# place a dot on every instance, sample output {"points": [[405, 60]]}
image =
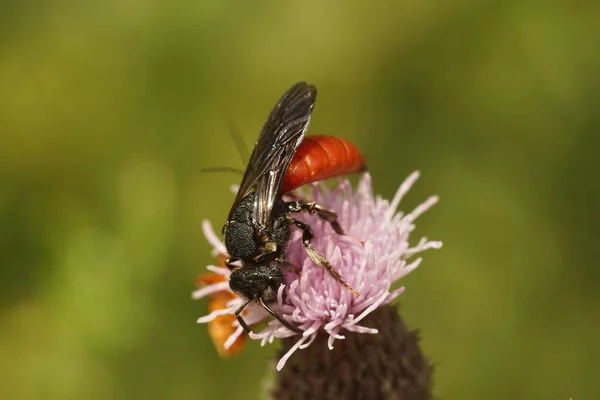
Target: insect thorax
{"points": [[244, 241]]}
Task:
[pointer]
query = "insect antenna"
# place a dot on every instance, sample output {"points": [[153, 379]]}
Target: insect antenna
{"points": [[240, 145], [238, 140]]}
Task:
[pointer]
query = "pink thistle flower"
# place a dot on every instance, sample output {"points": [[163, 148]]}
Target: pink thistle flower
{"points": [[373, 254]]}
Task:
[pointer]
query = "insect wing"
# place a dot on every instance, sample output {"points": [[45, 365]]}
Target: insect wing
{"points": [[280, 137]]}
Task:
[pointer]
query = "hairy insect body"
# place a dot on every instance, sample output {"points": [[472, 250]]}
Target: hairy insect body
{"points": [[258, 282], [261, 274], [244, 241]]}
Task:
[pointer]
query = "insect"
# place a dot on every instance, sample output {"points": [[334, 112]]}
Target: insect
{"points": [[259, 223]]}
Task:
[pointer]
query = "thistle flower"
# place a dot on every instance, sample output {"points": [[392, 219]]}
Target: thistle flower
{"points": [[372, 255]]}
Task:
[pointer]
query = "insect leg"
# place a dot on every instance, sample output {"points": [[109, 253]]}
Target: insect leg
{"points": [[312, 208], [316, 257], [284, 322], [238, 315]]}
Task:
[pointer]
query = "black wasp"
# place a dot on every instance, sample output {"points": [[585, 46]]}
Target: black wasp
{"points": [[258, 226]]}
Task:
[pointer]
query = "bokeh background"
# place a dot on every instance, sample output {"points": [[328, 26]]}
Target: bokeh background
{"points": [[109, 109]]}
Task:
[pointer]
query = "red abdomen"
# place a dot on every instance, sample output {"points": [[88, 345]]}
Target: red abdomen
{"points": [[320, 157]]}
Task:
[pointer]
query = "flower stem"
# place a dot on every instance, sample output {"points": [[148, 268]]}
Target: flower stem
{"points": [[387, 365]]}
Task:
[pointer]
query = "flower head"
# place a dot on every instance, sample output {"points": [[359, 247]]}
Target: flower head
{"points": [[372, 255]]}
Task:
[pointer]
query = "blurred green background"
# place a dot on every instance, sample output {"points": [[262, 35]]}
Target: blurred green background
{"points": [[108, 110]]}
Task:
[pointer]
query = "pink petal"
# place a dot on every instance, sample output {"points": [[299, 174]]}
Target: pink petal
{"points": [[291, 351], [214, 288]]}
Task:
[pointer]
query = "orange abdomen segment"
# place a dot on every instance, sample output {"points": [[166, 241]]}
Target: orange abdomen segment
{"points": [[320, 157]]}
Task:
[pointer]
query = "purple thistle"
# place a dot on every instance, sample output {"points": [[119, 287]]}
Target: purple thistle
{"points": [[370, 257]]}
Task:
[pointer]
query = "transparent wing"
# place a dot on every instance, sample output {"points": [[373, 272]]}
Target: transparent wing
{"points": [[276, 145]]}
